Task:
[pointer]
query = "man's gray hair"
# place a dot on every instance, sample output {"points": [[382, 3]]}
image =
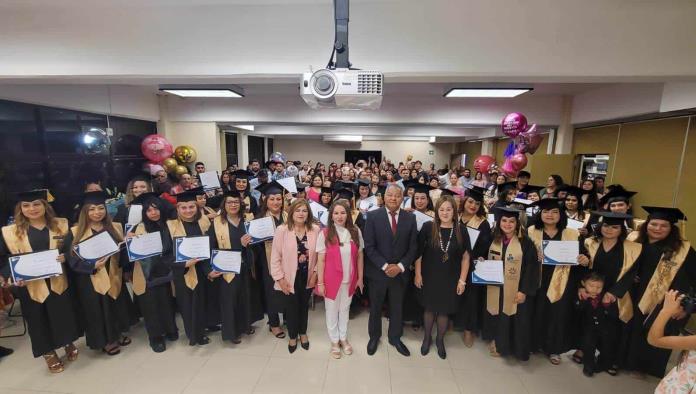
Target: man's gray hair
{"points": [[392, 186]]}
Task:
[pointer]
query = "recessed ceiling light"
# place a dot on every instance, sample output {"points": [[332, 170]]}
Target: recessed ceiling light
{"points": [[486, 93], [224, 93]]}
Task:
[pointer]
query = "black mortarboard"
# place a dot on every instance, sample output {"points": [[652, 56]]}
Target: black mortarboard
{"points": [[363, 182], [507, 186], [233, 193], [33, 195], [531, 189], [339, 185], [419, 187], [242, 174], [326, 190], [94, 198], [270, 188], [612, 218], [573, 190], [617, 193], [547, 203], [449, 192], [345, 193], [507, 212], [189, 195], [300, 186], [144, 198], [476, 193], [524, 173], [672, 215]]}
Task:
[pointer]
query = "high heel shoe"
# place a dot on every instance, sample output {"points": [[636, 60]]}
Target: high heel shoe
{"points": [[71, 352], [441, 348], [292, 348], [305, 345], [425, 347]]}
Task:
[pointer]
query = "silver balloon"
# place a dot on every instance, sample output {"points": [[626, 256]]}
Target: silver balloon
{"points": [[95, 141], [292, 171], [277, 157]]}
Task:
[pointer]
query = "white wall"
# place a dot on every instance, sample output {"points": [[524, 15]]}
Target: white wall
{"points": [[130, 101], [616, 101], [202, 136], [677, 96]]}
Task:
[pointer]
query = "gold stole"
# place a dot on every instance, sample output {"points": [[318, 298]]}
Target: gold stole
{"points": [[209, 210], [176, 229], [430, 213], [662, 278], [512, 264], [354, 215], [631, 251], [38, 290], [475, 222], [109, 278], [223, 241], [268, 245], [139, 283], [561, 273]]}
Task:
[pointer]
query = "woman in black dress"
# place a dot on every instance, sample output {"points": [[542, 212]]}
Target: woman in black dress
{"points": [[441, 271]]}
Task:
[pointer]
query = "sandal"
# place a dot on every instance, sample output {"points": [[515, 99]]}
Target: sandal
{"points": [[468, 338], [335, 351], [71, 352], [347, 348], [492, 351], [114, 350], [613, 370], [576, 357], [555, 359], [279, 335], [251, 331], [125, 341], [53, 362]]}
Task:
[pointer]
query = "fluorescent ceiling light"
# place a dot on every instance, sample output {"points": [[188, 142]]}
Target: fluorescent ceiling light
{"points": [[486, 93], [248, 127], [224, 93], [343, 138], [432, 140]]}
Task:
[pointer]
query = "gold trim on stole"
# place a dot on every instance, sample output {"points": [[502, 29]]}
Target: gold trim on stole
{"points": [[512, 263]]}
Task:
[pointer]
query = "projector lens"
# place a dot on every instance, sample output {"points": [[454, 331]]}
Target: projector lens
{"points": [[323, 83]]}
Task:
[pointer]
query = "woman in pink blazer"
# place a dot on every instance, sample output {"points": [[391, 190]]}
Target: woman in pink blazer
{"points": [[293, 267]]}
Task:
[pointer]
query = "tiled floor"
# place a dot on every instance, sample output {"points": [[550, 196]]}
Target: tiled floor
{"points": [[262, 364]]}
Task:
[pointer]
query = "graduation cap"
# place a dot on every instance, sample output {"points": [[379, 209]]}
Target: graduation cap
{"points": [[507, 186], [532, 189], [617, 193], [270, 188], [573, 191], [232, 193], [363, 182], [94, 198], [300, 186], [524, 173], [242, 174], [672, 215], [476, 193], [326, 190], [144, 198], [345, 193], [507, 212], [189, 195], [449, 192], [339, 185], [547, 203], [612, 218], [33, 195]]}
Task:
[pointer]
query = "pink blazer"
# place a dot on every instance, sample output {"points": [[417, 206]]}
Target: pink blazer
{"points": [[284, 254]]}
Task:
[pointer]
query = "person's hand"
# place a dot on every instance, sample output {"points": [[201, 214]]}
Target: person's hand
{"points": [[582, 294], [20, 283], [608, 298], [360, 285], [582, 232], [583, 260], [61, 258], [461, 287], [246, 240], [284, 286], [672, 305], [214, 274], [211, 216], [100, 263], [191, 263], [540, 255], [418, 280], [520, 298], [392, 270], [321, 290], [130, 234]]}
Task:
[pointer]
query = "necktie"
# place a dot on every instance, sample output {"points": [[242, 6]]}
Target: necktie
{"points": [[393, 222]]}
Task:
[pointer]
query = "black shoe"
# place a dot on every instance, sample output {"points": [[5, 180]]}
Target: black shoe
{"points": [[425, 348], [305, 345], [400, 347], [213, 328], [204, 340], [372, 346], [441, 349], [292, 348], [587, 372], [172, 337], [4, 351], [158, 345]]}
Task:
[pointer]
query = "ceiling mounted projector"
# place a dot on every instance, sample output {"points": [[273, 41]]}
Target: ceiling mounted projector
{"points": [[338, 85]]}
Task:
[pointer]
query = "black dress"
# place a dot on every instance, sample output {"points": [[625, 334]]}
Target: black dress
{"points": [[439, 291], [469, 314], [105, 318], [641, 356], [240, 304], [273, 303], [53, 323]]}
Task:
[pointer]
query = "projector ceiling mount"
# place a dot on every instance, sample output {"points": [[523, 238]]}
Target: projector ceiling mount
{"points": [[340, 46]]}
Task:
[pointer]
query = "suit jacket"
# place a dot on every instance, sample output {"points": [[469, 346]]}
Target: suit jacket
{"points": [[381, 247]]}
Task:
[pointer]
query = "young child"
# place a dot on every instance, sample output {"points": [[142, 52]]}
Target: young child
{"points": [[593, 325]]}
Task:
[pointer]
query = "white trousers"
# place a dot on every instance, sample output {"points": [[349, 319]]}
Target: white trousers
{"points": [[337, 314]]}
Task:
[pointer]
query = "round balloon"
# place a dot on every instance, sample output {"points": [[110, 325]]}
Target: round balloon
{"points": [[513, 124], [292, 171], [185, 154], [518, 161], [508, 168], [95, 142], [156, 148], [482, 163], [180, 170], [169, 164], [277, 157]]}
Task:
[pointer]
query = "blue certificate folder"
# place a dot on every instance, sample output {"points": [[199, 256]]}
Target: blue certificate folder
{"points": [[215, 262], [200, 248], [35, 265], [133, 254], [489, 273], [255, 240]]}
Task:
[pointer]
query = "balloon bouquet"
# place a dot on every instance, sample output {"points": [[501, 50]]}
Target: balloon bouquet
{"points": [[163, 157], [525, 139]]}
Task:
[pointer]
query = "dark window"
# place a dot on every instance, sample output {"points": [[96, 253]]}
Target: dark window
{"points": [[231, 149], [270, 146], [255, 149]]}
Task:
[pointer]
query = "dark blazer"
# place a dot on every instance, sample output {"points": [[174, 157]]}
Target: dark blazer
{"points": [[381, 247]]}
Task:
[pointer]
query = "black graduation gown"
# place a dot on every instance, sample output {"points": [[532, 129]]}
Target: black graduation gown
{"points": [[105, 319], [191, 303], [53, 323], [157, 303], [440, 279], [469, 314], [240, 304], [551, 328], [643, 357], [512, 334], [272, 302]]}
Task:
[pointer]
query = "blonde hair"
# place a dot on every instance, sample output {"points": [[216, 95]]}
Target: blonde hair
{"points": [[129, 189], [22, 223]]}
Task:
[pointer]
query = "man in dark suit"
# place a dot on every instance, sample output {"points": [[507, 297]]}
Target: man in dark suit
{"points": [[391, 247]]}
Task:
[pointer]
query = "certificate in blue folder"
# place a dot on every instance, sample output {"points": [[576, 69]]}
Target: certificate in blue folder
{"points": [[560, 252], [188, 248], [488, 272]]}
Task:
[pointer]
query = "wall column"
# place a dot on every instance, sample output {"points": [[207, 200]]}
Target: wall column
{"points": [[487, 147], [564, 134], [243, 149]]}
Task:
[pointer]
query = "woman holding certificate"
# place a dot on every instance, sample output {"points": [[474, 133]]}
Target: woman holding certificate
{"points": [[135, 187], [340, 272], [508, 313], [189, 274], [241, 185], [239, 306], [553, 310], [106, 303], [293, 267], [441, 271], [272, 204], [473, 217], [152, 275], [47, 303]]}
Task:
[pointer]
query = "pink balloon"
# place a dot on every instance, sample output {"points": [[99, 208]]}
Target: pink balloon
{"points": [[530, 140], [152, 168], [518, 161], [156, 148], [508, 169], [513, 124], [483, 163]]}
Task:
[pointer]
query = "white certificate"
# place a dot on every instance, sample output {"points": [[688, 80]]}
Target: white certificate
{"points": [[319, 212], [473, 235], [260, 229], [187, 248], [560, 252], [144, 246], [491, 219], [575, 224], [289, 184], [406, 203], [96, 247], [488, 272], [226, 261], [523, 201], [135, 215], [253, 183], [33, 266], [421, 219], [209, 180], [368, 204], [530, 211]]}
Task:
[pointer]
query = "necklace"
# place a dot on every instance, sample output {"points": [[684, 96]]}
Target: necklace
{"points": [[444, 249]]}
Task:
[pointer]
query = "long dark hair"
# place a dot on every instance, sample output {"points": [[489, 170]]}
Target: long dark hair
{"points": [[592, 202], [435, 236], [597, 233], [151, 226], [562, 222], [223, 212], [430, 201], [481, 209], [558, 180], [264, 204], [332, 234], [668, 246]]}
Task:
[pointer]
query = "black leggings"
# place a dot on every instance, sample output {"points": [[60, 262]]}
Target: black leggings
{"points": [[429, 319], [297, 306]]}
